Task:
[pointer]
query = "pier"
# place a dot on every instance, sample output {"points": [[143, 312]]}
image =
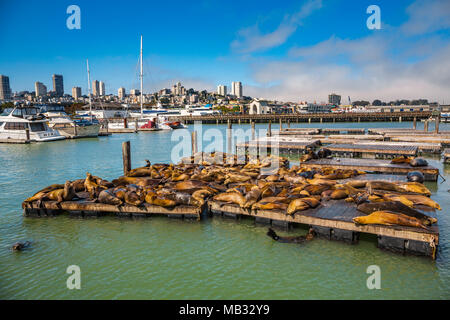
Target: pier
{"points": [[307, 117], [372, 151]]}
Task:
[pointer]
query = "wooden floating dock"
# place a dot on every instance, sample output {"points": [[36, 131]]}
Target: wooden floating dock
{"points": [[421, 146], [14, 141], [372, 150], [446, 156], [333, 220], [84, 208], [343, 130], [293, 145], [298, 131], [122, 130], [422, 139], [372, 165]]}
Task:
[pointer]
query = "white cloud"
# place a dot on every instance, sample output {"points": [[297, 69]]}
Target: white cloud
{"points": [[427, 16], [251, 39]]}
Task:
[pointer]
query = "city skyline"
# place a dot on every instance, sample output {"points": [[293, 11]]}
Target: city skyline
{"points": [[283, 53]]}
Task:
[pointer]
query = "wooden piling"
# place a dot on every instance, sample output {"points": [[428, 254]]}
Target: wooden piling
{"points": [[136, 124], [289, 123], [425, 126], [281, 125], [269, 129], [253, 130], [27, 133], [414, 123], [125, 123], [126, 156], [437, 120], [194, 142]]}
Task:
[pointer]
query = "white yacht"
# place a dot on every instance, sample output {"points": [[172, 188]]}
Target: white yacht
{"points": [[76, 128], [14, 123], [198, 111]]}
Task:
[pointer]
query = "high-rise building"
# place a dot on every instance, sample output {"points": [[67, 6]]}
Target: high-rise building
{"points": [[95, 88], [5, 90], [58, 85], [102, 88], [40, 89], [222, 90], [76, 93], [236, 89], [135, 92], [121, 93], [334, 99]]}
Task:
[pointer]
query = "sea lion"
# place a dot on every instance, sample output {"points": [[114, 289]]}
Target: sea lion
{"points": [[108, 197], [418, 162], [395, 206], [339, 194], [19, 246], [316, 189], [324, 153], [152, 198], [190, 185], [135, 198], [252, 197], [402, 159], [415, 187], [297, 205], [423, 200], [293, 239], [270, 206], [92, 187], [198, 196], [389, 218], [231, 197], [415, 176], [400, 198]]}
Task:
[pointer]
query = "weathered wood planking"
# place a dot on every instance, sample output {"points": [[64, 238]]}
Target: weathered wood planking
{"points": [[342, 130], [380, 148], [87, 208], [420, 139], [372, 165], [293, 144], [337, 216], [303, 131], [421, 146]]}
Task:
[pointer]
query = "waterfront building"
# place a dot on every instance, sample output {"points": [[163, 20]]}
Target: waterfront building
{"points": [[5, 90], [40, 89], [193, 99], [121, 93], [236, 89], [222, 90], [58, 85], [95, 88], [102, 88], [334, 99], [258, 107], [76, 93]]}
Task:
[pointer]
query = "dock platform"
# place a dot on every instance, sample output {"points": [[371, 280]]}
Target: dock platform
{"points": [[446, 155], [333, 219], [424, 147], [372, 165], [281, 145], [343, 130], [297, 131], [90, 209], [372, 151]]}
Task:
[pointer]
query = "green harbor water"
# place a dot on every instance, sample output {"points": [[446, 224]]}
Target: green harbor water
{"points": [[162, 258]]}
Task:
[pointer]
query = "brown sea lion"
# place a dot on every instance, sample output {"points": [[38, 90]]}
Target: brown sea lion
{"points": [[231, 197], [292, 239], [297, 205], [390, 218], [108, 197], [395, 206], [402, 159], [252, 197], [270, 206], [19, 246]]}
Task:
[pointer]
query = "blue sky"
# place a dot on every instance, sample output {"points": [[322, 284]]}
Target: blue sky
{"points": [[288, 50]]}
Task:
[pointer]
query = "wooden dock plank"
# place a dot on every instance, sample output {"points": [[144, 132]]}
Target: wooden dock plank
{"points": [[376, 148]]}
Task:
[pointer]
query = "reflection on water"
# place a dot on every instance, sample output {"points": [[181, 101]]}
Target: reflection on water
{"points": [[161, 258]]}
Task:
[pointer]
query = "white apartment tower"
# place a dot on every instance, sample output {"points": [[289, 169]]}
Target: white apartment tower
{"points": [[121, 93], [102, 88], [76, 93], [222, 90], [236, 89], [40, 89]]}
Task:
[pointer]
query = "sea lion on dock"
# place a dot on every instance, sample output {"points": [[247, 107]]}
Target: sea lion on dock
{"points": [[60, 195], [395, 206], [297, 205], [390, 218], [418, 162], [252, 197], [108, 197], [198, 197], [135, 198], [152, 198], [231, 197], [293, 239], [402, 159], [324, 153], [415, 176], [270, 206]]}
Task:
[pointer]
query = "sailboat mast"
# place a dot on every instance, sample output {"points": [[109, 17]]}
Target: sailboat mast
{"points": [[142, 97], [89, 87]]}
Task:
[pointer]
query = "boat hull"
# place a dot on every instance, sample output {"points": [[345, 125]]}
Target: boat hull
{"points": [[79, 131]]}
